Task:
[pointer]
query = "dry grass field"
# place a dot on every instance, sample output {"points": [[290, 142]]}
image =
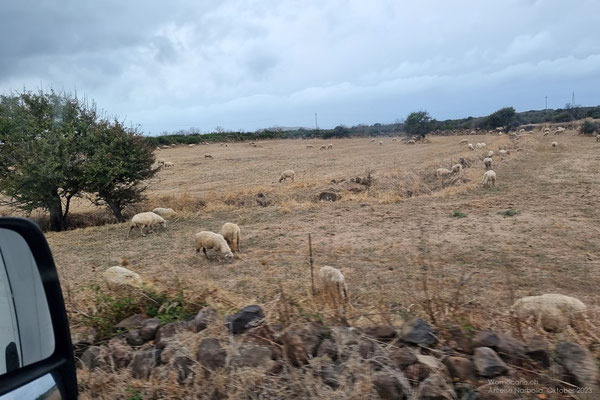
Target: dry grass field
{"points": [[400, 248]]}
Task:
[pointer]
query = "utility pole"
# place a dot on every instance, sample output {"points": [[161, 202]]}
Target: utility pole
{"points": [[316, 124], [546, 97], [573, 100]]}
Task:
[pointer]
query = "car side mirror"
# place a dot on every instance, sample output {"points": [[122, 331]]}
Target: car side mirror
{"points": [[36, 355]]}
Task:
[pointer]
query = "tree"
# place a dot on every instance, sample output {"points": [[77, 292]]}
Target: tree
{"points": [[418, 123], [118, 160], [504, 117]]}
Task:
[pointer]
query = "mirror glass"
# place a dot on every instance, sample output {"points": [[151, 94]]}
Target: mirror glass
{"points": [[26, 334], [42, 388]]}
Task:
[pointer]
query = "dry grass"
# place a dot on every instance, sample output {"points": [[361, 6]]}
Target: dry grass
{"points": [[399, 249]]}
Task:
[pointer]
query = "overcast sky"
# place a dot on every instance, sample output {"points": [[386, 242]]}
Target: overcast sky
{"points": [[169, 65]]}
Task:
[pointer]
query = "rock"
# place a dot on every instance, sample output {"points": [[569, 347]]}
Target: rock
{"points": [[243, 320], [144, 362], [183, 365], [329, 376], [537, 350], [262, 200], [265, 335], [486, 339], [417, 331], [458, 340], [417, 372], [384, 333], [93, 357], [367, 349], [461, 369], [120, 353], [149, 328], [133, 338], [404, 357], [119, 276], [251, 355], [301, 344], [210, 354], [329, 349], [167, 332], [204, 318], [392, 386], [435, 388], [487, 363], [134, 321], [464, 391], [510, 349], [429, 361], [312, 336], [80, 347], [293, 348], [579, 364], [328, 196]]}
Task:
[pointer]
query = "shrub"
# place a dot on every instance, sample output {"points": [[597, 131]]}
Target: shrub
{"points": [[588, 128], [509, 213], [458, 214]]}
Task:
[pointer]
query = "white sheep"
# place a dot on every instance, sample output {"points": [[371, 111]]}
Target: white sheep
{"points": [[323, 147], [470, 146], [554, 144], [394, 139], [168, 164], [231, 233], [208, 156], [206, 240], [489, 179], [191, 145], [463, 141], [330, 146], [456, 168], [441, 172], [333, 285], [503, 152], [288, 173], [551, 311], [309, 146], [411, 141], [372, 140], [488, 162], [164, 212], [490, 153], [380, 143], [146, 220], [597, 138], [161, 162]]}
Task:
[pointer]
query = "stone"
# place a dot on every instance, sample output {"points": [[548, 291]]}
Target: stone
{"points": [[404, 357], [465, 391], [210, 354], [119, 276], [461, 369], [435, 388], [579, 364], [93, 357], [263, 200], [384, 333], [167, 332], [80, 347], [417, 331], [487, 363], [120, 353], [329, 376], [204, 318], [144, 361], [537, 350], [329, 196], [148, 329], [243, 320], [392, 386], [417, 372], [251, 355], [486, 339], [367, 349], [134, 321], [329, 349], [510, 349], [183, 365], [458, 340], [133, 338], [265, 335]]}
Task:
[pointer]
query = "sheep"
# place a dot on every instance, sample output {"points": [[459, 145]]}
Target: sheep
{"points": [[560, 129], [470, 146], [554, 144], [323, 147], [146, 219], [502, 152], [231, 233], [191, 145], [372, 140], [488, 162], [597, 138], [441, 172], [463, 141], [168, 164], [333, 285], [309, 146], [380, 143], [456, 168], [330, 146], [164, 212], [208, 156], [288, 173], [157, 148], [552, 311], [206, 240], [489, 179], [411, 141], [490, 153], [394, 139], [161, 162]]}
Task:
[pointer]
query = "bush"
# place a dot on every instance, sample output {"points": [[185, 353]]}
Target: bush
{"points": [[458, 214], [562, 117], [509, 213], [588, 128]]}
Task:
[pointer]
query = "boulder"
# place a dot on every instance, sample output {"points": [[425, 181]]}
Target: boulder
{"points": [[537, 350], [210, 354], [328, 196], [134, 321], [243, 320], [486, 339], [144, 361], [93, 357], [120, 353], [435, 388], [487, 363], [579, 364], [404, 357], [149, 328], [120, 276], [392, 386], [461, 369], [204, 318], [168, 332], [458, 340], [182, 363], [251, 355], [417, 331], [133, 338], [383, 333]]}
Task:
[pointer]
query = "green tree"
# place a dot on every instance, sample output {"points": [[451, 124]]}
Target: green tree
{"points": [[418, 123], [501, 118]]}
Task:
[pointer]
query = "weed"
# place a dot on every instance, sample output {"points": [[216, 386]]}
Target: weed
{"points": [[458, 214], [134, 394], [509, 212]]}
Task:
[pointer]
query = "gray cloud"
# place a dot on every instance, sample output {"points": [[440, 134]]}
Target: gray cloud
{"points": [[250, 64]]}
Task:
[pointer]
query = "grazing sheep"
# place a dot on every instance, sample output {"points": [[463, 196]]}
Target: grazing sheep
{"points": [[164, 212], [372, 140], [168, 164], [191, 145], [161, 162], [597, 138], [456, 168], [231, 233], [470, 146], [206, 240], [502, 152], [146, 220], [288, 173], [489, 179], [157, 148], [411, 141], [394, 139], [554, 144], [323, 147], [463, 141], [309, 146], [208, 156], [380, 143], [441, 172], [490, 153], [333, 285], [330, 146], [560, 129], [488, 162], [173, 145], [551, 311]]}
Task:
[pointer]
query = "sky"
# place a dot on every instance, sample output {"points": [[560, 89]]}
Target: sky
{"points": [[245, 65]]}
